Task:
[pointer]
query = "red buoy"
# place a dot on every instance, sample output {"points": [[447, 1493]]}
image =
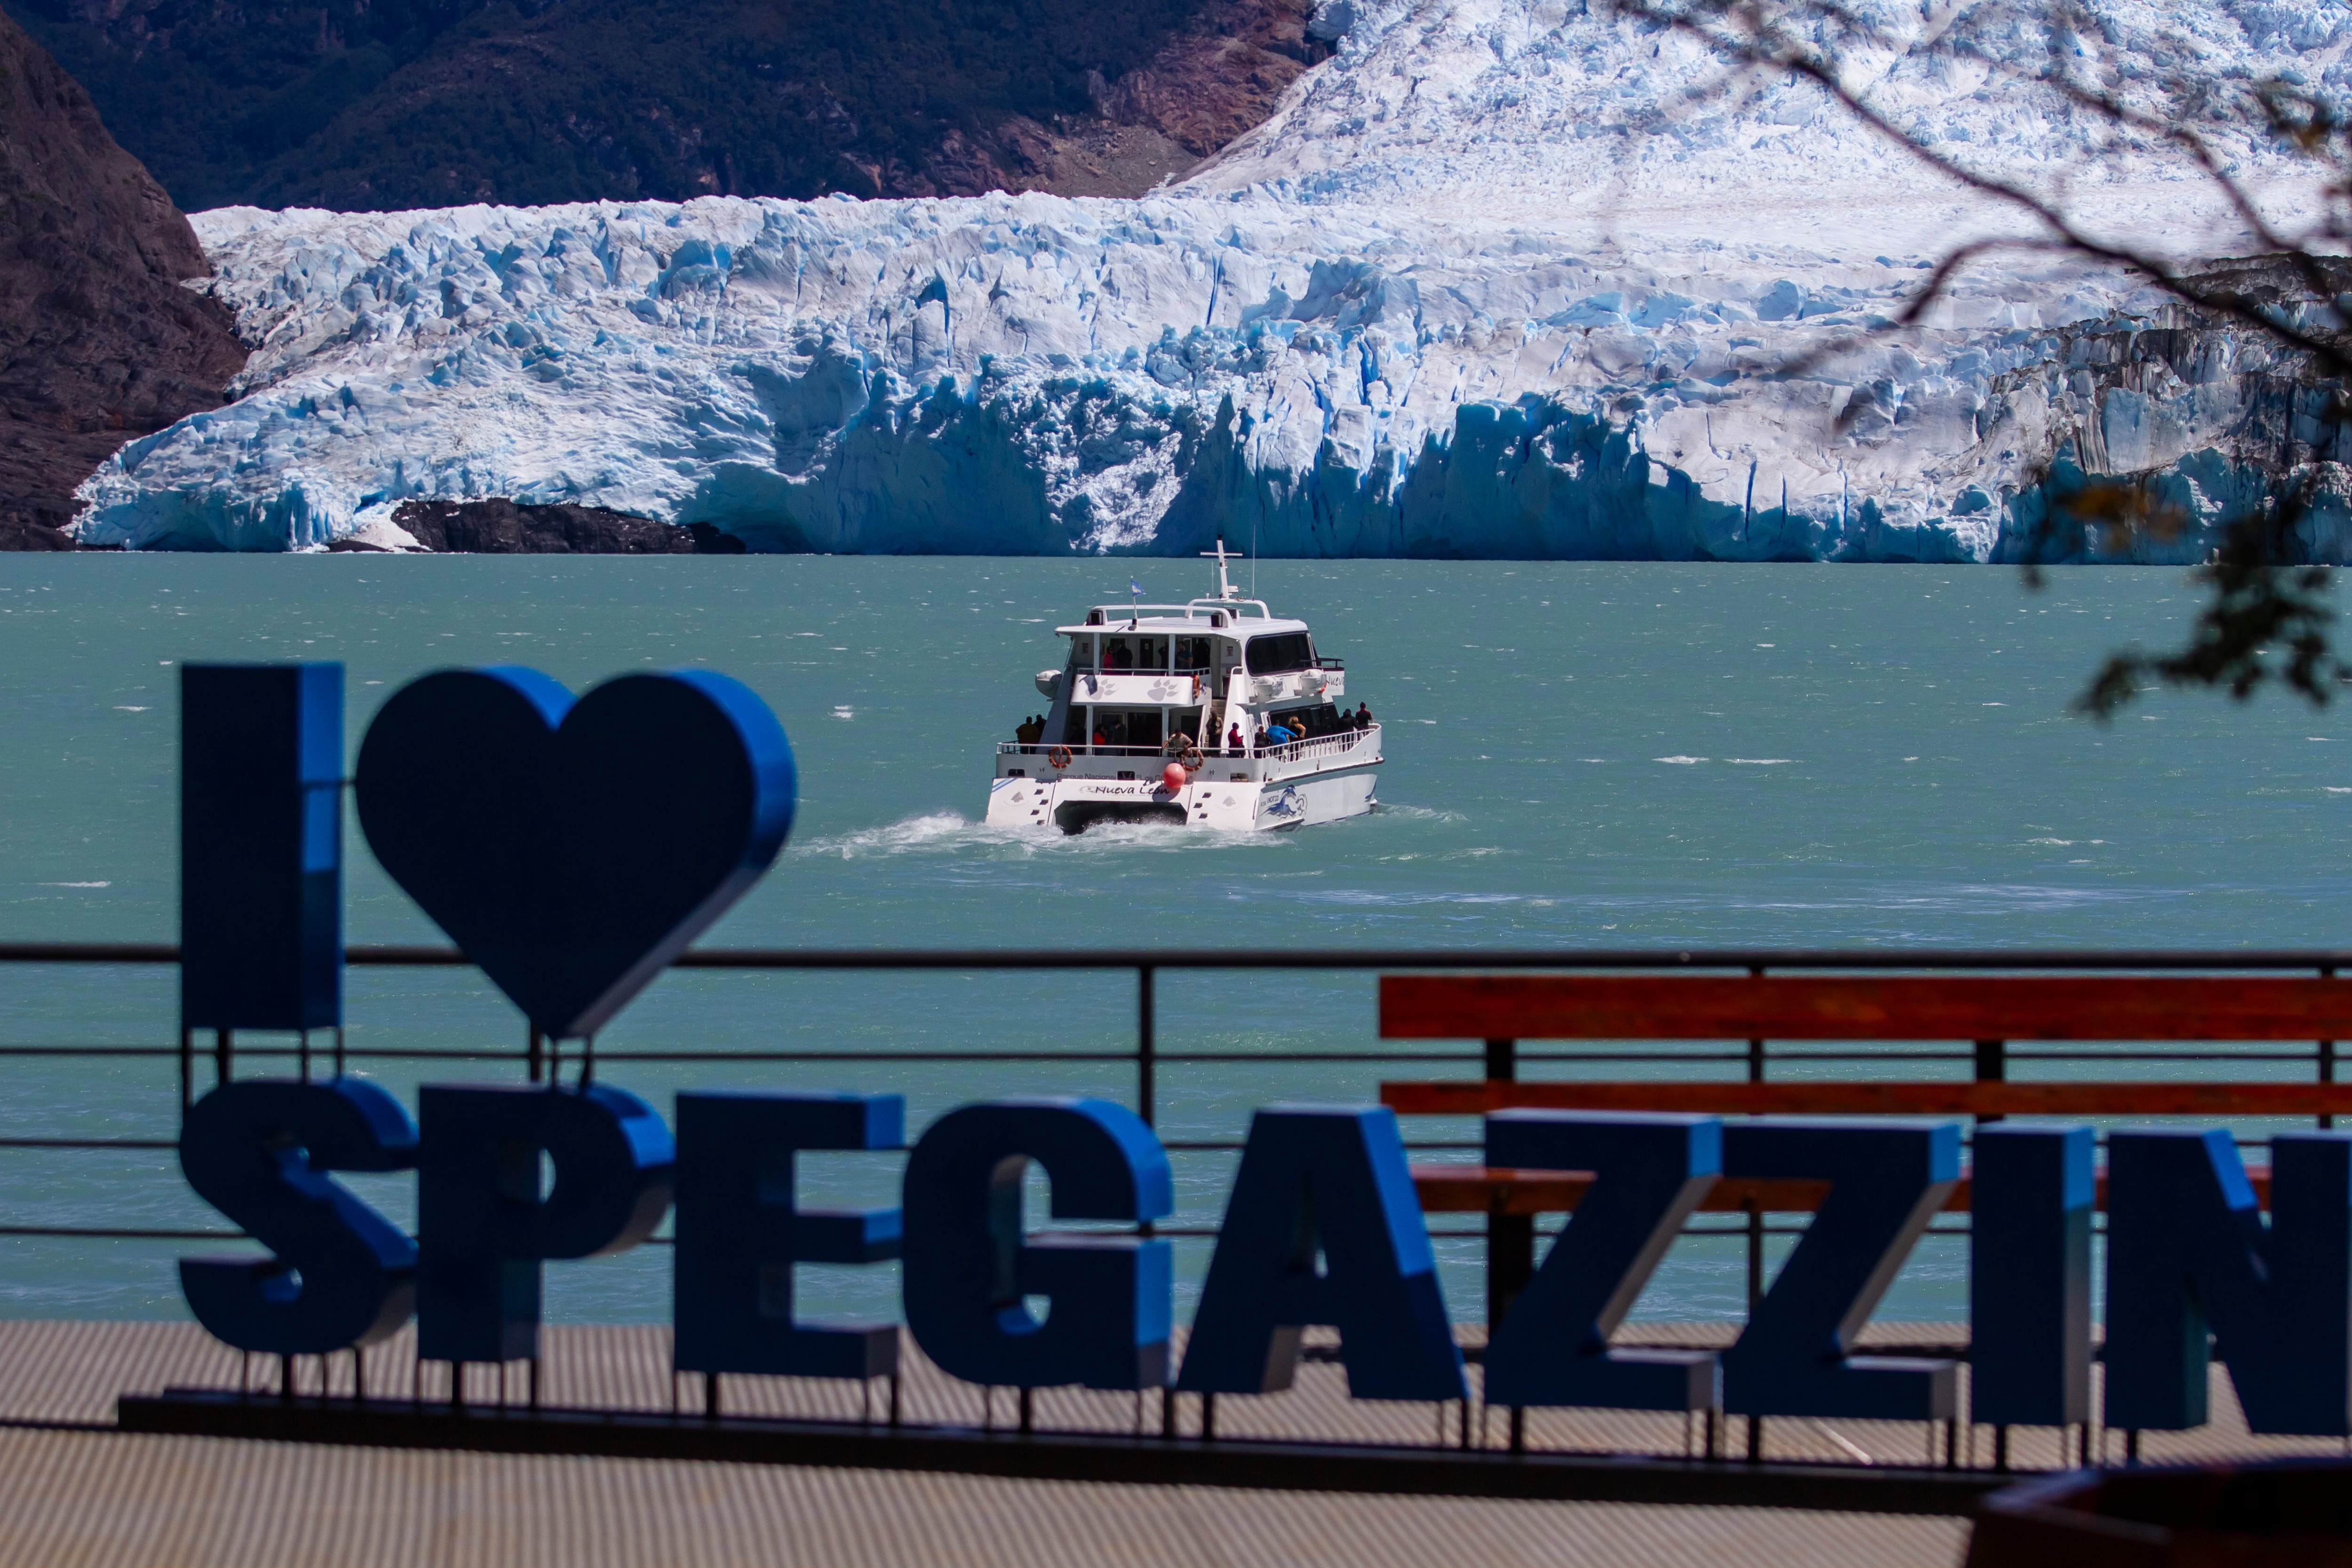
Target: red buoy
{"points": [[1171, 777]]}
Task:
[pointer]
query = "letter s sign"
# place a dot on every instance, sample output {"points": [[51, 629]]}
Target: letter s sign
{"points": [[342, 1274]]}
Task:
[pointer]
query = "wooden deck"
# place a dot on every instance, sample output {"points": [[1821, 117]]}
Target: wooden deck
{"points": [[73, 1492]]}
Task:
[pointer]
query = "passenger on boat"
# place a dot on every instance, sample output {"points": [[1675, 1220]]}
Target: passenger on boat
{"points": [[1100, 738], [1260, 742], [1117, 656], [1280, 733], [1030, 730], [1363, 717], [1235, 744]]}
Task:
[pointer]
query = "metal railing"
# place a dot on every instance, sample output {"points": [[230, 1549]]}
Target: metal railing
{"points": [[539, 1058], [1948, 1486]]}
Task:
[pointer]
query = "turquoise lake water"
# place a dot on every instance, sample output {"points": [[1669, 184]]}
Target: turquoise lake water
{"points": [[1601, 756]]}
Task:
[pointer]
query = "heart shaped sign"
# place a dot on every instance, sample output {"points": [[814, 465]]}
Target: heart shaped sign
{"points": [[574, 850]]}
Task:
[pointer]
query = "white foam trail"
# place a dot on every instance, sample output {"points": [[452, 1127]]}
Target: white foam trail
{"points": [[951, 832]]}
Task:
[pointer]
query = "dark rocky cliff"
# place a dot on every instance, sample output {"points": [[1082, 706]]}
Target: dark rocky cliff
{"points": [[98, 341], [382, 105]]}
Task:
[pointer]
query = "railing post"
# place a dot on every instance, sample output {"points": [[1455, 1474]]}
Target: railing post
{"points": [[1755, 1047], [1992, 1067], [1146, 1086], [1503, 1059], [1755, 1237], [1510, 1259], [2326, 1055], [1510, 1238]]}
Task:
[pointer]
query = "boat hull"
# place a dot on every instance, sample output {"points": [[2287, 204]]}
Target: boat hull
{"points": [[1231, 805]]}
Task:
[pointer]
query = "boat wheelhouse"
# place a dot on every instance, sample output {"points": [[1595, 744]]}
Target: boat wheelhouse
{"points": [[1176, 713]]}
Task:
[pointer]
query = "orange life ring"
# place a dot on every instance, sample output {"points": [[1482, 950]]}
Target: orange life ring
{"points": [[1058, 757]]}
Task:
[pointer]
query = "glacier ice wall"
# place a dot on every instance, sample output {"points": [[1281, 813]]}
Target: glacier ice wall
{"points": [[1501, 279]]}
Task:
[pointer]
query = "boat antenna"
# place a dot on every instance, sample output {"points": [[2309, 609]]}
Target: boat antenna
{"points": [[1221, 555]]}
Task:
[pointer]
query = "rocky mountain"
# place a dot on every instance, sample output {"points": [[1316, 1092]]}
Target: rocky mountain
{"points": [[100, 342], [381, 105]]}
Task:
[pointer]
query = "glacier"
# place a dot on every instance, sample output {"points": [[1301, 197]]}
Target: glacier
{"points": [[1499, 279]]}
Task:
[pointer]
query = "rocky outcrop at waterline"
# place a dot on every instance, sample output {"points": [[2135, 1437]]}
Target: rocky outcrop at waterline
{"points": [[507, 528], [100, 341]]}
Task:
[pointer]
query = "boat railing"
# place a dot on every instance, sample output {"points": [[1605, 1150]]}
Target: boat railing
{"points": [[1289, 752], [1323, 665], [1322, 745], [1039, 748], [1118, 617], [1203, 672]]}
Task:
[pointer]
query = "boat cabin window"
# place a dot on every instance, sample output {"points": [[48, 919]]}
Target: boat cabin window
{"points": [[1191, 653], [1133, 651], [1126, 727], [1280, 653], [1309, 723]]}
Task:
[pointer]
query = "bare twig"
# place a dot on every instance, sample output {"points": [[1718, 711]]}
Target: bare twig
{"points": [[2267, 621], [1759, 41]]}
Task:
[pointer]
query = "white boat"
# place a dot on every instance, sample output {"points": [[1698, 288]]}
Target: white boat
{"points": [[1166, 713]]}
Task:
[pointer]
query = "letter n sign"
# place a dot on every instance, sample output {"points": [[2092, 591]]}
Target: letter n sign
{"points": [[2188, 1253]]}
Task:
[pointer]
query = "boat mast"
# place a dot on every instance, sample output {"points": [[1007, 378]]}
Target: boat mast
{"points": [[1221, 555]]}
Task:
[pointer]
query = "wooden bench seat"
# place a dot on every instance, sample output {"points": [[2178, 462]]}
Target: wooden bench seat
{"points": [[1872, 1007], [1493, 1190], [1848, 1097], [1985, 1010]]}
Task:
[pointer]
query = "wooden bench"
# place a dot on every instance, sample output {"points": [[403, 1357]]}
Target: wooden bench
{"points": [[1989, 1011]]}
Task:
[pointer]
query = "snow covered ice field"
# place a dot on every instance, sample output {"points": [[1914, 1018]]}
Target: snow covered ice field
{"points": [[1500, 279]]}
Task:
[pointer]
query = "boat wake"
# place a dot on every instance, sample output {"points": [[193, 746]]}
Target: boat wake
{"points": [[950, 833]]}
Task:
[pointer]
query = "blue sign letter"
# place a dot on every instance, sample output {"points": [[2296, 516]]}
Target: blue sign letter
{"points": [[1323, 1227], [2030, 1197], [1553, 1346], [2186, 1248], [1887, 1180], [968, 1264], [258, 1151], [261, 845], [740, 1233], [483, 1225]]}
